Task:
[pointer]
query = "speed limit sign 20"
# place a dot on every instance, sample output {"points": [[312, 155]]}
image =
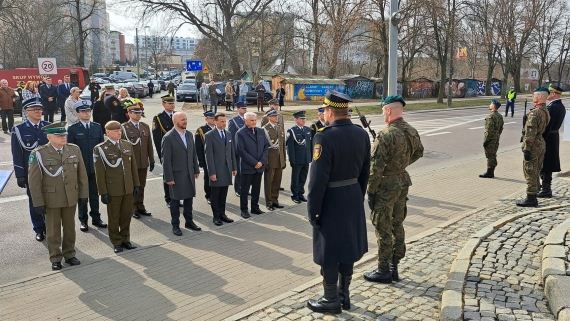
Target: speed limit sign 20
{"points": [[47, 66]]}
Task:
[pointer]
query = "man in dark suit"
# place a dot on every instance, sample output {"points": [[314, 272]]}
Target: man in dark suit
{"points": [[253, 148], [221, 164], [181, 170], [299, 149], [87, 135], [63, 92], [199, 141], [162, 124], [236, 94], [235, 124], [94, 90], [551, 163], [48, 92]]}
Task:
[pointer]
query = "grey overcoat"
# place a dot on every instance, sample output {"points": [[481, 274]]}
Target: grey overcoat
{"points": [[179, 163]]}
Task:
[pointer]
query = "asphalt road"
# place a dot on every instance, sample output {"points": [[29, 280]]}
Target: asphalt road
{"points": [[450, 137]]}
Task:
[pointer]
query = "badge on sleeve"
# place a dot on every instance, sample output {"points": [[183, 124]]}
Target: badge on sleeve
{"points": [[317, 151], [32, 159], [153, 125]]}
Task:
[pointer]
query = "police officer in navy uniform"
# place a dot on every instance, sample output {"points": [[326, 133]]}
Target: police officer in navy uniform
{"points": [[299, 151], [319, 123], [199, 141], [337, 185], [87, 134], [113, 104], [25, 137], [161, 124]]}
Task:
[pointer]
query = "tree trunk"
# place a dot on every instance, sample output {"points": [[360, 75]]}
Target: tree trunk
{"points": [[334, 60], [489, 80], [81, 53], [316, 49], [442, 66]]}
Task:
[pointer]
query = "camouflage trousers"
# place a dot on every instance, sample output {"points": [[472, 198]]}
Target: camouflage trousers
{"points": [[491, 153], [532, 168], [388, 219]]}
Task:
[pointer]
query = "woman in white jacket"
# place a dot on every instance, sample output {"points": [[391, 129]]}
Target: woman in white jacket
{"points": [[70, 112]]}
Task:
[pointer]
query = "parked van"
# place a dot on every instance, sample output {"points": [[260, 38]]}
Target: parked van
{"points": [[125, 75]]}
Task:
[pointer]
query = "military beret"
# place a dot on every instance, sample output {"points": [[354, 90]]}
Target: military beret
{"points": [[82, 105], [299, 114], [55, 128], [273, 102], [336, 100], [555, 89], [392, 99], [496, 103], [542, 89], [209, 114], [167, 99], [31, 102], [241, 104], [112, 125], [271, 112], [109, 87]]}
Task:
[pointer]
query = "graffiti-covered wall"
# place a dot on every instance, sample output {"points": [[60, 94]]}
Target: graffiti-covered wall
{"points": [[314, 92], [421, 88], [380, 89], [495, 88], [359, 89], [471, 87], [457, 88]]}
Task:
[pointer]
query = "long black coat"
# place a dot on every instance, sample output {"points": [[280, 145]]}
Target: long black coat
{"points": [[101, 114], [551, 136], [113, 104], [45, 93], [252, 149], [341, 152]]}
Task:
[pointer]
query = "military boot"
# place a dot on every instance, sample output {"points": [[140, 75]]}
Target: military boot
{"points": [[490, 173], [545, 192], [529, 201], [327, 303], [394, 268], [343, 292], [381, 275]]}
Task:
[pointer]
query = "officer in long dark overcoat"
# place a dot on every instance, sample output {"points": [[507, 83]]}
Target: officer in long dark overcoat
{"points": [[337, 185]]}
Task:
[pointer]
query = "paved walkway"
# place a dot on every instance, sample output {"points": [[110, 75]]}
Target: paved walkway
{"points": [[503, 284]]}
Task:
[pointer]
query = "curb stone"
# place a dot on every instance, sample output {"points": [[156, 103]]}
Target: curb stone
{"points": [[452, 298], [556, 283]]}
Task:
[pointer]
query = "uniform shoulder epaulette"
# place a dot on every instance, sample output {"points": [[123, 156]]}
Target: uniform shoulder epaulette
{"points": [[101, 144], [322, 128], [41, 147], [73, 145]]}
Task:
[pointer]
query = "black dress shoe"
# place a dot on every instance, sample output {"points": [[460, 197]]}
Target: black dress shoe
{"points": [[143, 212], [181, 204], [40, 237], [281, 189], [167, 204], [302, 198], [208, 199], [136, 215], [226, 219], [56, 266], [245, 214], [295, 200], [83, 227], [269, 208], [99, 223], [118, 249], [176, 231], [72, 261], [278, 205], [237, 194], [128, 246], [191, 225], [256, 211], [217, 222]]}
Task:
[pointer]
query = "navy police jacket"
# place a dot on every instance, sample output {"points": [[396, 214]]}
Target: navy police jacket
{"points": [[86, 140], [26, 138]]}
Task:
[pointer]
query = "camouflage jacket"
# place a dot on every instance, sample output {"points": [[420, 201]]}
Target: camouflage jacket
{"points": [[536, 122], [397, 146], [493, 126]]}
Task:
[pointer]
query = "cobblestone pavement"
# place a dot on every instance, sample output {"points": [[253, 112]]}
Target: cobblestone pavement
{"points": [[423, 273], [504, 276]]}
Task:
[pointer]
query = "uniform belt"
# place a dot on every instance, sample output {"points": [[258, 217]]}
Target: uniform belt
{"points": [[396, 172], [345, 182], [554, 131]]}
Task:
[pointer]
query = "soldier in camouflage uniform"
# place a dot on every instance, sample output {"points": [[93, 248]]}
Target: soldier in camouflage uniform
{"points": [[493, 130], [534, 146], [397, 146]]}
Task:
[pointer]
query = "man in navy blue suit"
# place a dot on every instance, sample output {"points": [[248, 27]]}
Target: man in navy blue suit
{"points": [[253, 149], [48, 93], [234, 125], [63, 92]]}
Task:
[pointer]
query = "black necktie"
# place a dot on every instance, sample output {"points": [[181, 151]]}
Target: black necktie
{"points": [[36, 126], [223, 136]]}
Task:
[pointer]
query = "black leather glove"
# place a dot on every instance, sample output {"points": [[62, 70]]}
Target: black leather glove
{"points": [[82, 202], [315, 224], [284, 166], [40, 210], [136, 192], [105, 199], [486, 143], [527, 155], [22, 182], [151, 167], [371, 200], [292, 164]]}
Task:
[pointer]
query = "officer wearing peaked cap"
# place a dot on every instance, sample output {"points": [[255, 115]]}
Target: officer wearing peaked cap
{"points": [[319, 123], [58, 182], [87, 134], [199, 141], [299, 143], [25, 137], [113, 104], [335, 207], [276, 159]]}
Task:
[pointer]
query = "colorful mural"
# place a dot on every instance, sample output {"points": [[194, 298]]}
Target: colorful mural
{"points": [[495, 88], [314, 92], [421, 88], [380, 89], [471, 88], [359, 89], [457, 88]]}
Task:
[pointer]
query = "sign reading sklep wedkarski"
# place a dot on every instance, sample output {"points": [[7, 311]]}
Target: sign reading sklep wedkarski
{"points": [[47, 66]]}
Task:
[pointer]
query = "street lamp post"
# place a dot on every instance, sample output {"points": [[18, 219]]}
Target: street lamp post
{"points": [[138, 56], [393, 49], [146, 46]]}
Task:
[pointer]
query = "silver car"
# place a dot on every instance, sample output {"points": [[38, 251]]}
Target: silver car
{"points": [[187, 92]]}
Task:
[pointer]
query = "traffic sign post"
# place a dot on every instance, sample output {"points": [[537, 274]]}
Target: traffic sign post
{"points": [[47, 66], [193, 65]]}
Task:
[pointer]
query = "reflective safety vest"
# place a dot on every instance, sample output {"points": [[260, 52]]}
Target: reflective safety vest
{"points": [[511, 95]]}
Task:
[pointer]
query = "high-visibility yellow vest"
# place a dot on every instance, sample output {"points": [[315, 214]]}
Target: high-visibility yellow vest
{"points": [[511, 95]]}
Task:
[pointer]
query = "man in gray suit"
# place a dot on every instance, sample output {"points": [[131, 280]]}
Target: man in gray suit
{"points": [[221, 165], [180, 166]]}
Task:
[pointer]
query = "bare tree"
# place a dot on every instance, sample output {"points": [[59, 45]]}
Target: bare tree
{"points": [[440, 14], [412, 40], [563, 49], [80, 13]]}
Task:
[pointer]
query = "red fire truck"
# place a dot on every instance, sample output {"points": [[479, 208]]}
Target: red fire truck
{"points": [[78, 76]]}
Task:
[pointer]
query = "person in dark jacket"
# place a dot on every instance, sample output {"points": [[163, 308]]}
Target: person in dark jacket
{"points": [[551, 163], [150, 88], [260, 89], [280, 95], [199, 141], [94, 89], [101, 114], [48, 92], [63, 92]]}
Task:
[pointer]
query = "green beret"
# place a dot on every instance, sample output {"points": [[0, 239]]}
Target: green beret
{"points": [[543, 89], [391, 99], [496, 103]]}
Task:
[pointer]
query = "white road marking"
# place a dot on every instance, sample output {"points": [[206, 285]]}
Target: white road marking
{"points": [[13, 199], [511, 122], [448, 126], [477, 127], [6, 163], [435, 134]]}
